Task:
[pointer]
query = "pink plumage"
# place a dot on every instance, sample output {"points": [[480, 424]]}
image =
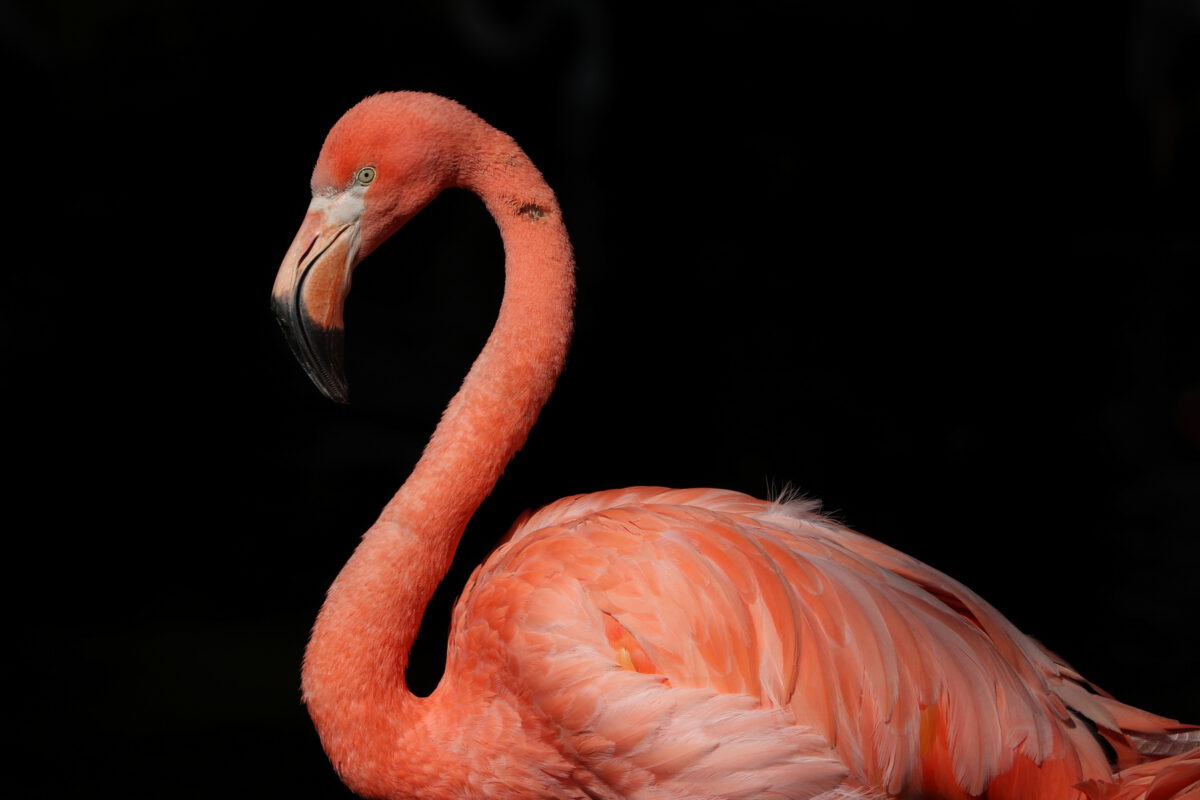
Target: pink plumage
{"points": [[648, 642]]}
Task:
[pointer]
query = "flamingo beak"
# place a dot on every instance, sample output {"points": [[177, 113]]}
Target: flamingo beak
{"points": [[310, 292]]}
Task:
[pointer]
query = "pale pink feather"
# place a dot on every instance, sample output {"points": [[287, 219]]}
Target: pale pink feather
{"points": [[853, 642]]}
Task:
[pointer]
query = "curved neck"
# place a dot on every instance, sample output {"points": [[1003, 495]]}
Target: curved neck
{"points": [[489, 418], [353, 678]]}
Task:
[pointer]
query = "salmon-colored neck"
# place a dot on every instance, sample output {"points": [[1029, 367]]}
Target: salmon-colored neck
{"points": [[354, 666], [498, 403]]}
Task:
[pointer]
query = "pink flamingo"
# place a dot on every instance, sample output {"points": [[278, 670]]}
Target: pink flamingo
{"points": [[646, 642]]}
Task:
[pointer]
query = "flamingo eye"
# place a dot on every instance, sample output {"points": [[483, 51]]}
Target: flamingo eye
{"points": [[365, 175]]}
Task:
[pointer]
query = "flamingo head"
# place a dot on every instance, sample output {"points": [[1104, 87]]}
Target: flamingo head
{"points": [[382, 162]]}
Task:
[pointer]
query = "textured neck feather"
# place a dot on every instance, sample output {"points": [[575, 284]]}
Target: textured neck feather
{"points": [[354, 667]]}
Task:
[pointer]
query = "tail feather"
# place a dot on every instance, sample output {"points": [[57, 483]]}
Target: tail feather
{"points": [[1139, 736], [1176, 777], [1162, 745]]}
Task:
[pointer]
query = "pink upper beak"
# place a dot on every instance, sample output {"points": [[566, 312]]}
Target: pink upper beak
{"points": [[310, 293]]}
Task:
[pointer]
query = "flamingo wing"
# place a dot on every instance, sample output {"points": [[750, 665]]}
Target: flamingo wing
{"points": [[693, 643], [548, 604]]}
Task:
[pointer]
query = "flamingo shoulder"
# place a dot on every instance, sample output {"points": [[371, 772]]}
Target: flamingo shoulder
{"points": [[581, 614]]}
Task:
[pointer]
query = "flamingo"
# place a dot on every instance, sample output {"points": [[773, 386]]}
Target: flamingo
{"points": [[646, 642]]}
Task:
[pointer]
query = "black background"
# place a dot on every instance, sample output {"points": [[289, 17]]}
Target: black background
{"points": [[936, 267]]}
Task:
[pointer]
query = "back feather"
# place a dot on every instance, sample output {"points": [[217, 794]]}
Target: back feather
{"points": [[703, 643]]}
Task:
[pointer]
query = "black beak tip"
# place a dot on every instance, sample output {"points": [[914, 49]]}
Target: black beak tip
{"points": [[320, 351], [337, 392]]}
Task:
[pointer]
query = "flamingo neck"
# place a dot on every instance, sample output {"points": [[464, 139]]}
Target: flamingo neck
{"points": [[353, 677]]}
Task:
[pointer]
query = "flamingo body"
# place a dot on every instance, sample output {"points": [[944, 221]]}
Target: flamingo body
{"points": [[647, 643], [736, 622]]}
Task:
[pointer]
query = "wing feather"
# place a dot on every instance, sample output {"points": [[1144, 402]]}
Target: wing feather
{"points": [[788, 653]]}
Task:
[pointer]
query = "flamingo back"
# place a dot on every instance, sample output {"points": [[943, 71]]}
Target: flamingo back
{"points": [[696, 643]]}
